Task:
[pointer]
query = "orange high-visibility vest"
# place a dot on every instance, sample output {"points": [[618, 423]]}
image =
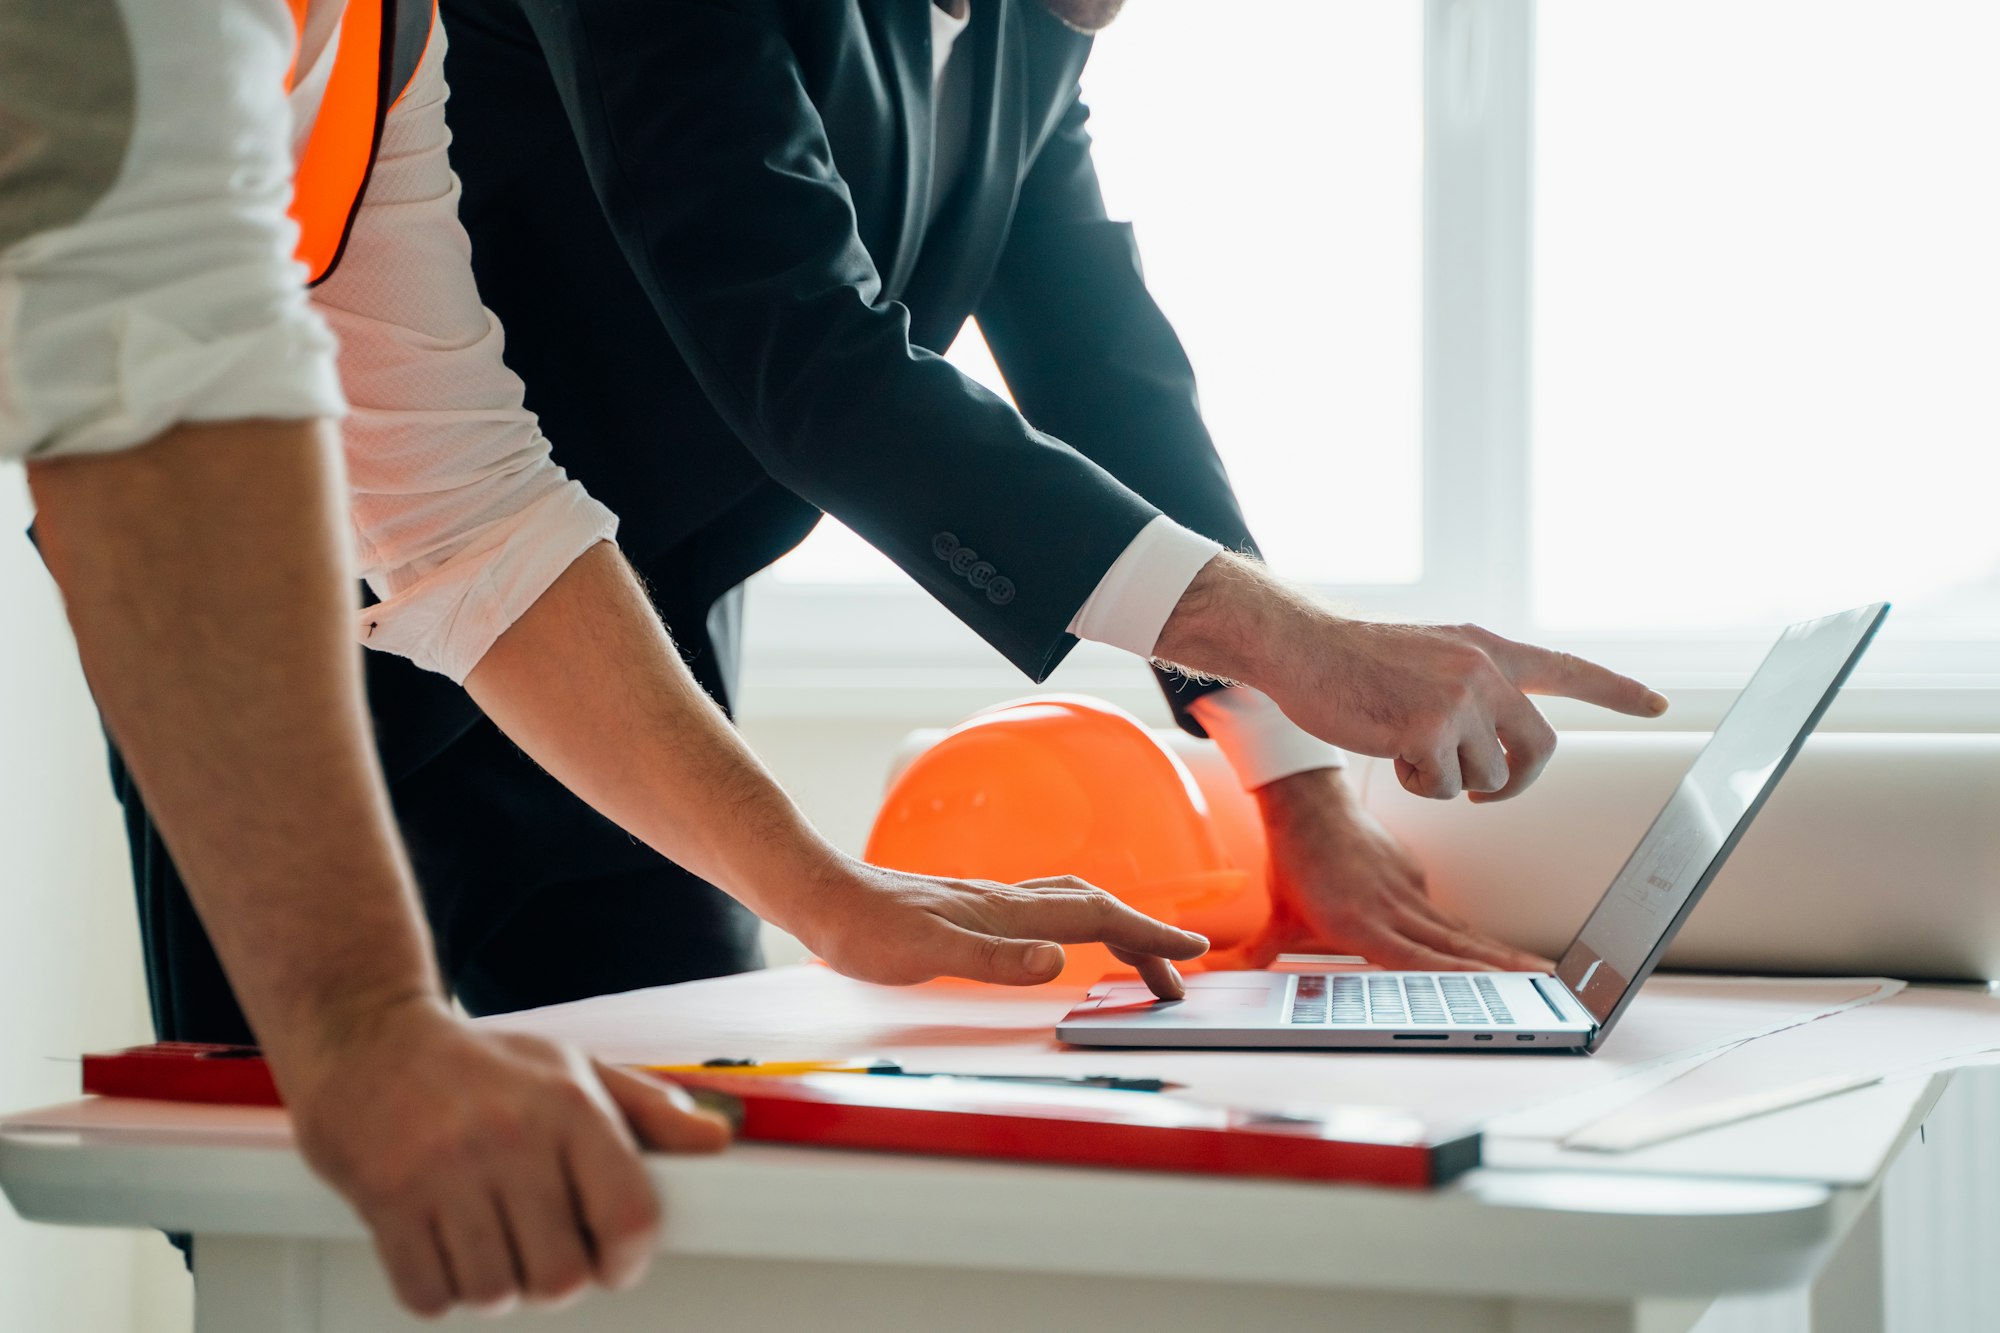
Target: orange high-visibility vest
{"points": [[380, 45]]}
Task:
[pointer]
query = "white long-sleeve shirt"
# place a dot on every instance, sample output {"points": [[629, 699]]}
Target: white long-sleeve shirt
{"points": [[462, 519]]}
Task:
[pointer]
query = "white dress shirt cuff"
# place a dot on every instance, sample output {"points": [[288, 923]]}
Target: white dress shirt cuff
{"points": [[1131, 603], [446, 620], [1259, 741]]}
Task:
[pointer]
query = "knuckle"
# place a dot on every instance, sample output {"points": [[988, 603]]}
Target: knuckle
{"points": [[634, 1218], [992, 950], [500, 1128], [1483, 674], [468, 1140], [382, 1182], [524, 1046], [1437, 736], [1568, 666], [567, 1099]]}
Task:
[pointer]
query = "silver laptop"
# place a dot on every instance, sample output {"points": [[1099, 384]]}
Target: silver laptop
{"points": [[1601, 971]]}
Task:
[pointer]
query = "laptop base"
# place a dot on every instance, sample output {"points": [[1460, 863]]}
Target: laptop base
{"points": [[1519, 1013]]}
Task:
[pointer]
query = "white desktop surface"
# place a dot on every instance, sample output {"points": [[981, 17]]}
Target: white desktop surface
{"points": [[762, 1236]]}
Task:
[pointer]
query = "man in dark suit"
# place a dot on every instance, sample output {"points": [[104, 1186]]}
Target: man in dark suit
{"points": [[725, 253], [728, 239]]}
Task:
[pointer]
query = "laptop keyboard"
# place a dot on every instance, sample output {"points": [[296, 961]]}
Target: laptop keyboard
{"points": [[1465, 999]]}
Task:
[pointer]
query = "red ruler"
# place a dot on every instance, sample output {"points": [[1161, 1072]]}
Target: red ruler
{"points": [[183, 1071], [948, 1117]]}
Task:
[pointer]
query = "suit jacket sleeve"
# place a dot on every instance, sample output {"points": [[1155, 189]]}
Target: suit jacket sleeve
{"points": [[714, 171], [1090, 357]]}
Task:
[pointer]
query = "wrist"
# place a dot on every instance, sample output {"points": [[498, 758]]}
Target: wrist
{"points": [[791, 877], [307, 1050], [1316, 792], [1231, 622]]}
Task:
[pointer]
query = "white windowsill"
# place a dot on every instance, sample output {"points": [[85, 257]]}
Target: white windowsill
{"points": [[921, 697], [886, 653]]}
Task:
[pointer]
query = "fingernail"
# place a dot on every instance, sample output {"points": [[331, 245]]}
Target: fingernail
{"points": [[1180, 983], [1202, 940], [1044, 958], [1657, 702]]}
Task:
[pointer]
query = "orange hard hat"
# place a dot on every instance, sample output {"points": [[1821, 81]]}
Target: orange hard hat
{"points": [[1061, 785]]}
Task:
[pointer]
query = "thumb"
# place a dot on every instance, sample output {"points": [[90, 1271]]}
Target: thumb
{"points": [[995, 958], [661, 1115]]}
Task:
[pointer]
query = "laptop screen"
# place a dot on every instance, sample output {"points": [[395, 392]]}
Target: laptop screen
{"points": [[1687, 844]]}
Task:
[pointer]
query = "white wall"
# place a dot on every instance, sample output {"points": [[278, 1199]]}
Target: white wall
{"points": [[69, 953]]}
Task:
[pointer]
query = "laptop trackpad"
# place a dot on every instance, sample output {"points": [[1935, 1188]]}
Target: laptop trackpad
{"points": [[1222, 999]]}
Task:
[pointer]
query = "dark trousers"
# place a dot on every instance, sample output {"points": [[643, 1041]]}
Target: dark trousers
{"points": [[533, 897]]}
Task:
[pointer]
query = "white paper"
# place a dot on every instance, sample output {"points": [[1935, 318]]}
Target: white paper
{"points": [[1920, 1029], [1807, 1000], [1844, 1140], [812, 1013]]}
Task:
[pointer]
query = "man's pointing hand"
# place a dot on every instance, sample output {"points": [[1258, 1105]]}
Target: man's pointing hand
{"points": [[1448, 703]]}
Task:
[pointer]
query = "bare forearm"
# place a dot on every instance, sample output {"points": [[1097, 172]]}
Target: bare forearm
{"points": [[590, 685], [207, 581]]}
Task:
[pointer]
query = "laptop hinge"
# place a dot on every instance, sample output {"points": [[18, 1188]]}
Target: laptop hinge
{"points": [[1546, 988]]}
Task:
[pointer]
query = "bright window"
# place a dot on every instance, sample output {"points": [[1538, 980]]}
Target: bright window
{"points": [[1767, 291], [1641, 328], [1289, 259]]}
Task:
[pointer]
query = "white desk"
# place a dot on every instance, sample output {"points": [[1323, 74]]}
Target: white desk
{"points": [[768, 1238]]}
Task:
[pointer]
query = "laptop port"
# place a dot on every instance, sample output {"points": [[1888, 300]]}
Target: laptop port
{"points": [[1524, 1036], [1422, 1036], [1482, 1036]]}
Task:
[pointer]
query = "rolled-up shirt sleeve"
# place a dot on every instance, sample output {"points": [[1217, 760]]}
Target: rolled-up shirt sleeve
{"points": [[462, 517]]}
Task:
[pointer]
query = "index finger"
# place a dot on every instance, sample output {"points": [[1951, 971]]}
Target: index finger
{"points": [[1161, 977], [1075, 913], [1548, 671]]}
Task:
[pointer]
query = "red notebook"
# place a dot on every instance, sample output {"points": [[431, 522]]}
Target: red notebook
{"points": [[946, 1116]]}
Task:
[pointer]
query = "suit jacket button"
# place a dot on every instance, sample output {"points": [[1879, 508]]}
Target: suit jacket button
{"points": [[980, 574], [944, 545], [962, 560], [1000, 591]]}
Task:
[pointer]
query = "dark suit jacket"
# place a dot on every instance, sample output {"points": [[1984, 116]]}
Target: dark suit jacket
{"points": [[703, 224]]}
